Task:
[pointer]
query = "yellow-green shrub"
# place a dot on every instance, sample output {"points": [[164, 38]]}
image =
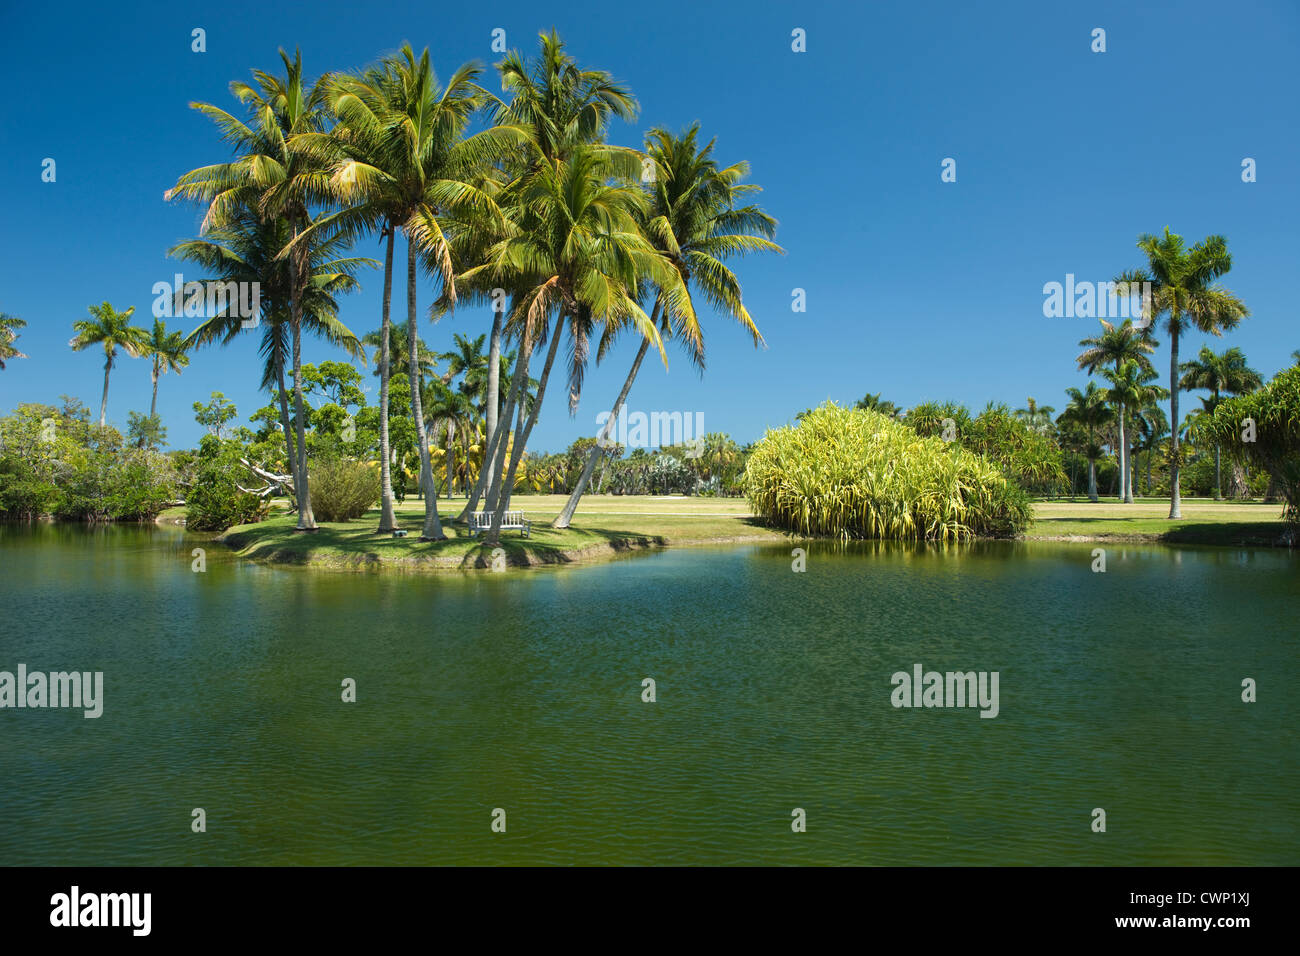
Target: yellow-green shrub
{"points": [[856, 473]]}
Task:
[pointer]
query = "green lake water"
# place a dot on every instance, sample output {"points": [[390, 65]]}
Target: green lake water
{"points": [[523, 691]]}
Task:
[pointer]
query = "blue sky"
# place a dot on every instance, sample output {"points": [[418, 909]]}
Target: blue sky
{"points": [[916, 288]]}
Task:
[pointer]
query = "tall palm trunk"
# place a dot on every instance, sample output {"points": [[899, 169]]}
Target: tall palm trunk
{"points": [[1123, 456], [1092, 471], [483, 481], [387, 518], [494, 375], [1218, 476], [1175, 500], [521, 437], [103, 402], [496, 451], [598, 450], [291, 457], [432, 530], [1128, 485], [451, 457], [306, 519], [153, 405]]}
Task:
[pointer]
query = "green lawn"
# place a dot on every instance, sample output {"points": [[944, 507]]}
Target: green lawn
{"points": [[1203, 521], [601, 527], [607, 525]]}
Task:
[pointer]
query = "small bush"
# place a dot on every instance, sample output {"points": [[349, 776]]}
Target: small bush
{"points": [[342, 489]]}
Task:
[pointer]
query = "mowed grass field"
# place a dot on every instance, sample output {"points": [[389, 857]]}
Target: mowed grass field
{"points": [[608, 525]]}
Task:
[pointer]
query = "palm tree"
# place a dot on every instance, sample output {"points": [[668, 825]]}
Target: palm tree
{"points": [[407, 164], [1225, 373], [9, 325], [281, 172], [1088, 410], [696, 220], [168, 351], [113, 330], [873, 402], [248, 248], [1131, 388], [560, 109], [1152, 426], [1184, 289], [404, 162], [450, 412], [468, 361], [1117, 345], [1038, 417]]}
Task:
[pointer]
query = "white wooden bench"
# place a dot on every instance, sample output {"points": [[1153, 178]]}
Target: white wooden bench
{"points": [[481, 521]]}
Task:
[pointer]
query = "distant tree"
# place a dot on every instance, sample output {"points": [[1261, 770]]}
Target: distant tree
{"points": [[214, 415], [169, 351], [145, 431], [9, 326], [1089, 411], [873, 402], [113, 330]]}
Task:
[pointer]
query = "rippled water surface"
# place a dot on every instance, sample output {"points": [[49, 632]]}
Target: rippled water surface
{"points": [[523, 691]]}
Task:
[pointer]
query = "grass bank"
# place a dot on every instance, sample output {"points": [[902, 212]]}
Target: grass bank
{"points": [[1203, 522], [602, 527], [607, 526]]}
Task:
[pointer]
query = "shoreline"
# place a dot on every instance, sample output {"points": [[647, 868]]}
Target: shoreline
{"points": [[606, 536]]}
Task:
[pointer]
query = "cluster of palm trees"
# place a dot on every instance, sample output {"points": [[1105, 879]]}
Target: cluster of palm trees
{"points": [[516, 201], [112, 331], [1184, 290]]}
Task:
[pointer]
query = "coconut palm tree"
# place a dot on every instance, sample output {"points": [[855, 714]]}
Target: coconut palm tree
{"points": [[112, 330], [450, 412], [403, 161], [1089, 411], [696, 219], [1114, 346], [169, 353], [561, 109], [1185, 290], [249, 248], [278, 170], [1225, 373], [9, 326], [588, 258]]}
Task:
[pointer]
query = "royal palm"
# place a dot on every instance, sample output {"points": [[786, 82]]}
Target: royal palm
{"points": [[1225, 373], [1185, 290], [112, 330]]}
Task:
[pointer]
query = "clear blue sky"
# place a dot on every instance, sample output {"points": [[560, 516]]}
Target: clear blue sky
{"points": [[917, 289]]}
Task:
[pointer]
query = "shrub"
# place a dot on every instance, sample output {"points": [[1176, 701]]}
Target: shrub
{"points": [[214, 501], [1275, 444], [342, 489], [857, 473]]}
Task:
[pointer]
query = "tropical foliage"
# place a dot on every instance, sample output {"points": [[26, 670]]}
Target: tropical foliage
{"points": [[857, 473]]}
